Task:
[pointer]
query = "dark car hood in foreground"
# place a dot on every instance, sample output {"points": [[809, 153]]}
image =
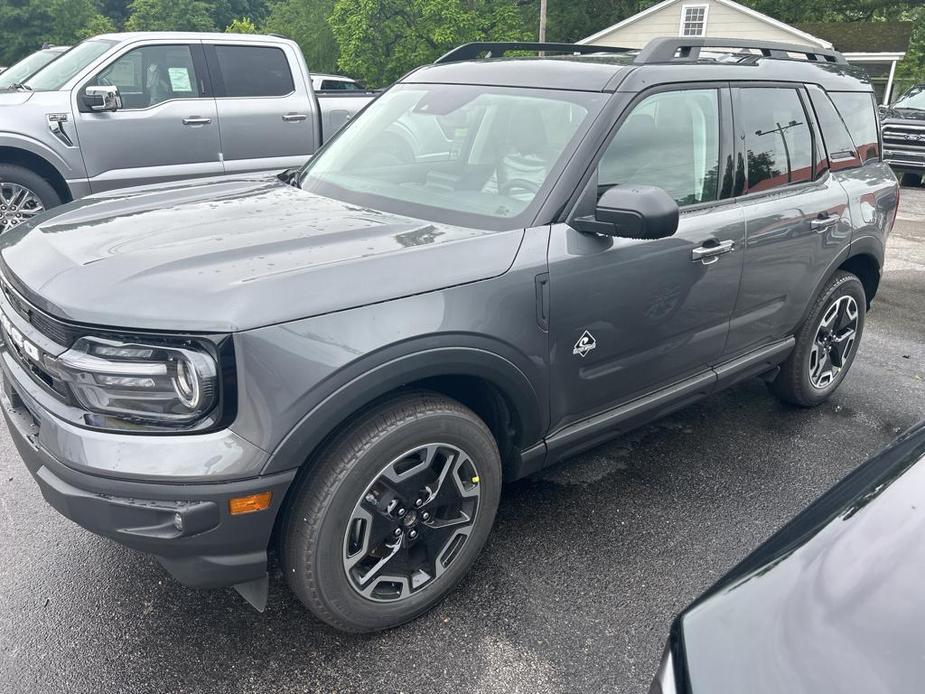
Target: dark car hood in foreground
{"points": [[835, 602], [235, 253]]}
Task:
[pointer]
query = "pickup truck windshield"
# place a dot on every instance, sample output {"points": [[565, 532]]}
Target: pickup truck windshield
{"points": [[27, 66], [459, 154], [914, 98], [57, 73]]}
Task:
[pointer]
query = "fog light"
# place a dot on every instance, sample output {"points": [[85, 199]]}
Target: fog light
{"points": [[249, 504], [178, 522]]}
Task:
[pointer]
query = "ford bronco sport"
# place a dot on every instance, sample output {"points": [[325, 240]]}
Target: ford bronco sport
{"points": [[498, 264]]}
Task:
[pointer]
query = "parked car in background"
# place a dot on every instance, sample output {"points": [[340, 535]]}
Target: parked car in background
{"points": [[353, 357], [336, 83], [29, 65], [903, 127], [831, 603], [129, 109]]}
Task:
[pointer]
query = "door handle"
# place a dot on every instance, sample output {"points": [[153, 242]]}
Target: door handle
{"points": [[294, 117], [821, 223], [196, 120], [710, 254]]}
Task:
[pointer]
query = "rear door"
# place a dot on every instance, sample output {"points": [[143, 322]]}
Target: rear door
{"points": [[167, 128], [265, 109], [797, 216]]}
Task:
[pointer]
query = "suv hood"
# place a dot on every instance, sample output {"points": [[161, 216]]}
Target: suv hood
{"points": [[231, 254], [14, 97]]}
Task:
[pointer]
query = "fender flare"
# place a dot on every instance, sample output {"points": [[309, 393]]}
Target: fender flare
{"points": [[38, 149], [355, 393]]}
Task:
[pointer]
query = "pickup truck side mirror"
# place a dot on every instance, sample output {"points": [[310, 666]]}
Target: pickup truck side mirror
{"points": [[632, 212], [106, 98]]}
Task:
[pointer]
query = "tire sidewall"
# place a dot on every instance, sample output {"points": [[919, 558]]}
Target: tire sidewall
{"points": [[843, 285], [11, 173], [334, 587]]}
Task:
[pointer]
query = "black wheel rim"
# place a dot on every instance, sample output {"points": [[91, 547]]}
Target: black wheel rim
{"points": [[834, 342], [412, 522]]}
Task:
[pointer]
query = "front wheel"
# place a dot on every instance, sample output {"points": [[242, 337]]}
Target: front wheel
{"points": [[393, 514], [826, 344], [23, 195]]}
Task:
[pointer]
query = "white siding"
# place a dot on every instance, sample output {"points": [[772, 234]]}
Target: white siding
{"points": [[722, 22]]}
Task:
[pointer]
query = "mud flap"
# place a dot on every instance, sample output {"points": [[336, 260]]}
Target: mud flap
{"points": [[255, 592]]}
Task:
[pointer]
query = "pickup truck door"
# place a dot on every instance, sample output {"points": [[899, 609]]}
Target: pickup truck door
{"points": [[629, 316], [267, 112], [167, 128]]}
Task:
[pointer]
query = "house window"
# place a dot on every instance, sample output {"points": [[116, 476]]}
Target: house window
{"points": [[693, 20]]}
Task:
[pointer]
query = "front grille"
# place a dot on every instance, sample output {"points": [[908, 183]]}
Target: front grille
{"points": [[52, 328], [908, 137]]}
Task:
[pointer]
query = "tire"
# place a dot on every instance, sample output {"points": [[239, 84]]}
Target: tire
{"points": [[805, 378], [346, 491], [911, 180], [14, 179]]}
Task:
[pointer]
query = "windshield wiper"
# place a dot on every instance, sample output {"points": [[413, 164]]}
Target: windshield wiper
{"points": [[20, 87]]}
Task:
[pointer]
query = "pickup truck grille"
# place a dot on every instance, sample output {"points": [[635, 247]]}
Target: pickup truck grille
{"points": [[909, 137]]}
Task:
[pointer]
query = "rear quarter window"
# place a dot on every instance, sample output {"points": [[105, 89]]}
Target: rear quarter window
{"points": [[839, 144], [254, 71], [859, 112]]}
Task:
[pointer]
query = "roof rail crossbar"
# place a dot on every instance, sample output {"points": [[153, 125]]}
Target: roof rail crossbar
{"points": [[677, 49], [476, 50]]}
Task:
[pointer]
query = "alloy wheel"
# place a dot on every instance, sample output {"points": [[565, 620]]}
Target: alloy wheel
{"points": [[412, 522], [835, 338], [17, 205]]}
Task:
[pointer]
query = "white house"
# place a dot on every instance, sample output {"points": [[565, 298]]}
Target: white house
{"points": [[728, 19]]}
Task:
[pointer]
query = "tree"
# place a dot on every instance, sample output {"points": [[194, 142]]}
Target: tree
{"points": [[224, 12], [380, 40], [241, 26], [170, 15], [306, 21]]}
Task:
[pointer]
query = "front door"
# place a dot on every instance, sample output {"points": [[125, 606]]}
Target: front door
{"points": [[167, 128], [630, 316]]}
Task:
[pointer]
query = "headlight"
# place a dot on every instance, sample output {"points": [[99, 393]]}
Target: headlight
{"points": [[141, 383]]}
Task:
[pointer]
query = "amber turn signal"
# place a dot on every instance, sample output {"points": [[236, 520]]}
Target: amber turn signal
{"points": [[249, 504]]}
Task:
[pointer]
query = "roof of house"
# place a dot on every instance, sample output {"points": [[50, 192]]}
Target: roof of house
{"points": [[802, 35], [863, 37]]}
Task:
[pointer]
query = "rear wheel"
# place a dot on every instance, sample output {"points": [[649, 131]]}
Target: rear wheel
{"points": [[826, 344], [23, 195], [394, 514]]}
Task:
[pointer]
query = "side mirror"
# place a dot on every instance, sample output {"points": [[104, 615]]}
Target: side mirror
{"points": [[632, 212], [100, 99]]}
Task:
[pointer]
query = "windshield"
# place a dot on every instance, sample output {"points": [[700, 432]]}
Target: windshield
{"points": [[468, 155], [26, 67], [56, 74], [914, 98]]}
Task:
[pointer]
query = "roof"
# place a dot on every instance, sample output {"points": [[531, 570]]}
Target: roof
{"points": [[804, 36], [588, 73], [863, 37], [190, 36]]}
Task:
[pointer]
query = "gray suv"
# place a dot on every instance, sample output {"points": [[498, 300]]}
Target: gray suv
{"points": [[129, 109], [498, 264]]}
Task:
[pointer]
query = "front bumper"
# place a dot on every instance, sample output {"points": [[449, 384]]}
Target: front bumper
{"points": [[211, 548], [905, 161]]}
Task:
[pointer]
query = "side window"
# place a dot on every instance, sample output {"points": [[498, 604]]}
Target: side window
{"points": [[838, 142], [254, 71], [340, 85], [778, 141], [860, 115], [670, 140], [151, 75]]}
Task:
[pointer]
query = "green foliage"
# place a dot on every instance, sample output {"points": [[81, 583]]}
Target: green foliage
{"points": [[305, 21], [170, 15], [243, 25], [380, 40], [224, 12]]}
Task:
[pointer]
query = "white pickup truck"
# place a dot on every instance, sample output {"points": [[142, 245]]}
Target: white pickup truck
{"points": [[129, 109]]}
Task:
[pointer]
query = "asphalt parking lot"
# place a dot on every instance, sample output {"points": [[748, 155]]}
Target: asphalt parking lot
{"points": [[574, 592]]}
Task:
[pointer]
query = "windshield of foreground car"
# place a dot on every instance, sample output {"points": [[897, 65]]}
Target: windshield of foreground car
{"points": [[26, 67], [460, 154], [914, 98], [56, 74]]}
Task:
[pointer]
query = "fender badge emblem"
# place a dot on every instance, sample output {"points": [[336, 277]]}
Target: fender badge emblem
{"points": [[585, 344]]}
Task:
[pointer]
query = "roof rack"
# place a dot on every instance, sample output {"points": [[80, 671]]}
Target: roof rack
{"points": [[687, 49], [476, 50]]}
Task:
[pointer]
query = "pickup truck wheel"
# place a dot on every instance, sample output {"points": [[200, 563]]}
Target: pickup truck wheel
{"points": [[23, 195], [826, 344], [393, 514]]}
